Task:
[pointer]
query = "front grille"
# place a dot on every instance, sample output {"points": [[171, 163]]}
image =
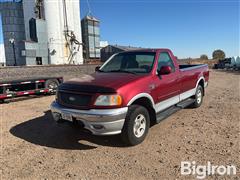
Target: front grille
{"points": [[85, 88], [74, 100]]}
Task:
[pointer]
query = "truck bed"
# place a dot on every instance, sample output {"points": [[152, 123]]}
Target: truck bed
{"points": [[185, 67]]}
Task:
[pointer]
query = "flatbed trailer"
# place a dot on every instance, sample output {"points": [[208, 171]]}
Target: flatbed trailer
{"points": [[29, 86]]}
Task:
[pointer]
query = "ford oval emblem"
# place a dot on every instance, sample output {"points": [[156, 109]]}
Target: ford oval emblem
{"points": [[72, 98]]}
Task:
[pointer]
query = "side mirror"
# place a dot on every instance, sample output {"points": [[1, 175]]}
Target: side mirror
{"points": [[165, 70], [97, 68]]}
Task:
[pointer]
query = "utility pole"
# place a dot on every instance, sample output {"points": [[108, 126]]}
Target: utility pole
{"points": [[12, 41]]}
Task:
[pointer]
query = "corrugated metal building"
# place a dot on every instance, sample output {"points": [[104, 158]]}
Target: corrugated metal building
{"points": [[13, 28], [109, 50], [91, 37], [28, 33], [41, 32], [36, 50]]}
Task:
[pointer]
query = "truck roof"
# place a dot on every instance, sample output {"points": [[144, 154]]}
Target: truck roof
{"points": [[149, 50]]}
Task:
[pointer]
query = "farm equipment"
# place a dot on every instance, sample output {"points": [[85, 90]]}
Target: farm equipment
{"points": [[238, 63], [228, 63], [231, 65]]}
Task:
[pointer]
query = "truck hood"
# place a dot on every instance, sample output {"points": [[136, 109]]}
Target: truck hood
{"points": [[99, 82]]}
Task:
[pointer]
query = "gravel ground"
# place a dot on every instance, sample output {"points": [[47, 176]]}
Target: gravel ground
{"points": [[35, 147]]}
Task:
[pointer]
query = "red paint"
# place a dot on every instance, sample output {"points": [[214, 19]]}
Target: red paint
{"points": [[130, 85], [40, 81], [3, 96], [22, 93], [165, 70]]}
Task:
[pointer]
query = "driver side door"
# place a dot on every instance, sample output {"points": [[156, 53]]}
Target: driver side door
{"points": [[167, 87]]}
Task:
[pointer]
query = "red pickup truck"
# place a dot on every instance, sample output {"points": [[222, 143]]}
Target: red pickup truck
{"points": [[129, 92]]}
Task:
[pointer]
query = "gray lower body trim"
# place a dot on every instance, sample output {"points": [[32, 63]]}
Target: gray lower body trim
{"points": [[174, 100]]}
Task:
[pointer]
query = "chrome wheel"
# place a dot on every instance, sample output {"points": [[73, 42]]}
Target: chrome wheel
{"points": [[199, 96], [139, 125]]}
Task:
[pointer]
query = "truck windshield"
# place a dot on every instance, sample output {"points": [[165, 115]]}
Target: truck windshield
{"points": [[130, 62]]}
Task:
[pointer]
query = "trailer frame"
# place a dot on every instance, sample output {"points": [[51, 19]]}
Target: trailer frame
{"points": [[29, 86]]}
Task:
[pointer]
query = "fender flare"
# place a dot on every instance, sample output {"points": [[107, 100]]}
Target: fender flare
{"points": [[201, 78], [141, 95]]}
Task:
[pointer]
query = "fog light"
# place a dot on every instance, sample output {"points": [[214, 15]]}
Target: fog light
{"points": [[98, 127]]}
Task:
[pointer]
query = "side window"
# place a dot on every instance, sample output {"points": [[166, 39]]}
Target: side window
{"points": [[165, 60], [145, 62]]}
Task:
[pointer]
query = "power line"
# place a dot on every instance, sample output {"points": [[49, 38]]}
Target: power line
{"points": [[89, 8]]}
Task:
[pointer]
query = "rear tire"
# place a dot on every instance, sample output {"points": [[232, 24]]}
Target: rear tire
{"points": [[136, 125], [198, 97]]}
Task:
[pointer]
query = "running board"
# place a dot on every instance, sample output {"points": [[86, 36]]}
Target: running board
{"points": [[166, 113], [185, 103]]}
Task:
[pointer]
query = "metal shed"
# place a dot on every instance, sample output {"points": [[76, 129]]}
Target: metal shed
{"points": [[109, 50]]}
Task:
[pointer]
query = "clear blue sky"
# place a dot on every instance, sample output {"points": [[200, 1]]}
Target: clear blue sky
{"points": [[188, 27]]}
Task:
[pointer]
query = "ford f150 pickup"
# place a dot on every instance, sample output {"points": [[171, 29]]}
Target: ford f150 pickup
{"points": [[129, 92]]}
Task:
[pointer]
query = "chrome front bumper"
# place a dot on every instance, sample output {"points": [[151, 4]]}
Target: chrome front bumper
{"points": [[98, 121]]}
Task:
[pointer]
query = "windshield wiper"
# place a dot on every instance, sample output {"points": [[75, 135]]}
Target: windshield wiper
{"points": [[99, 70], [124, 71]]}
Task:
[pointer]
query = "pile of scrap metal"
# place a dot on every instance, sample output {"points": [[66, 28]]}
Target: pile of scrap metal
{"points": [[228, 63]]}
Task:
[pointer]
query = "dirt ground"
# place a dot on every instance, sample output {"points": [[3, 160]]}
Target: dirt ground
{"points": [[33, 146]]}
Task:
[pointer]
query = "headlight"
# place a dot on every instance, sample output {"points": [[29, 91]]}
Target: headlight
{"points": [[108, 100]]}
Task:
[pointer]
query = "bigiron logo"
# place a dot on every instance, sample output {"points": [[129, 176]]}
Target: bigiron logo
{"points": [[202, 171]]}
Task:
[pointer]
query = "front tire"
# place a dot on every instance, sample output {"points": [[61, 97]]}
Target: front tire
{"points": [[198, 97], [136, 125]]}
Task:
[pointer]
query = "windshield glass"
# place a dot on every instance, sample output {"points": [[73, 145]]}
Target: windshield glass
{"points": [[130, 62]]}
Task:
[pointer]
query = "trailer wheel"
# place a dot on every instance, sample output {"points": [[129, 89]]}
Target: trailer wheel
{"points": [[136, 125], [52, 85], [198, 97]]}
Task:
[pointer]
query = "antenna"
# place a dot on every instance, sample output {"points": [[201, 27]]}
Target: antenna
{"points": [[89, 8]]}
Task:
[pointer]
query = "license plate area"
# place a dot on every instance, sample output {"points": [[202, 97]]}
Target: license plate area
{"points": [[67, 116]]}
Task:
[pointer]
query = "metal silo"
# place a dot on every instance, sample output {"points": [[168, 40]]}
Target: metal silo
{"points": [[64, 31], [91, 37]]}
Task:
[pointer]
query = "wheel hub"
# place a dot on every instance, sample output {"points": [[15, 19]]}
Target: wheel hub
{"points": [[139, 126], [199, 96]]}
